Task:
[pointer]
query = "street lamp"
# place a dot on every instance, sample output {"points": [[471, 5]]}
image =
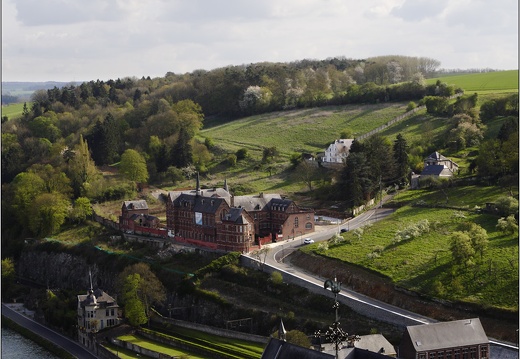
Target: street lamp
{"points": [[335, 334]]}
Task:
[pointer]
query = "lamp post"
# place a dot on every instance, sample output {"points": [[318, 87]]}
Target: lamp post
{"points": [[334, 333]]}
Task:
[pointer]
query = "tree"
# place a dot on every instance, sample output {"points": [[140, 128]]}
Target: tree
{"points": [[507, 225], [133, 306], [307, 173], [479, 238], [133, 166], [355, 182], [182, 153], [8, 274], [26, 187], [461, 248], [507, 205], [47, 213], [82, 209], [400, 152], [81, 168], [149, 289]]}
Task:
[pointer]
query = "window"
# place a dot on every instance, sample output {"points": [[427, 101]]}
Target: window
{"points": [[431, 355], [448, 354], [296, 222], [456, 354], [422, 355], [483, 351]]}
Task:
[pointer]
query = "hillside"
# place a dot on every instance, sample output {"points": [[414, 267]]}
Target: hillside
{"points": [[488, 82]]}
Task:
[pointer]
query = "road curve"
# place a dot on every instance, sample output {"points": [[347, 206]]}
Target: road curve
{"points": [[74, 348], [275, 258]]}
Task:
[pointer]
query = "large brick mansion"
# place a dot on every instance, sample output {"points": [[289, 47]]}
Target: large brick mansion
{"points": [[214, 218]]}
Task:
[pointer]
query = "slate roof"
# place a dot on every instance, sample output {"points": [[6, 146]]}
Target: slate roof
{"points": [[436, 170], [452, 334], [235, 216], [97, 297], [200, 204], [436, 156], [255, 202], [279, 349], [376, 343], [138, 204]]}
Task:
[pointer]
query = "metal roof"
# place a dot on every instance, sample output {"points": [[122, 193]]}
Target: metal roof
{"points": [[445, 335]]}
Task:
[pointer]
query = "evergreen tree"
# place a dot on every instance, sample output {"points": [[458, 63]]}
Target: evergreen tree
{"points": [[182, 151], [401, 157]]}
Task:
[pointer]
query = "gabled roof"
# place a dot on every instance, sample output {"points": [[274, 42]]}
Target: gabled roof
{"points": [[236, 215], [452, 334], [200, 204], [376, 343], [436, 170], [279, 349], [255, 202], [436, 156], [138, 204]]}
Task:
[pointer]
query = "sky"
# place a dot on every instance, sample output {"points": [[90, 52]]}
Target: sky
{"points": [[83, 40]]}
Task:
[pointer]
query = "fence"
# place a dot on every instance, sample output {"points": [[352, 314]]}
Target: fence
{"points": [[397, 119]]}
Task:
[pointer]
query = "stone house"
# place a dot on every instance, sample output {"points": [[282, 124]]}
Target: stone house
{"points": [[459, 339]]}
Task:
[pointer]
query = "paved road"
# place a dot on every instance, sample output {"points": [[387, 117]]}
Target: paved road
{"points": [[69, 345], [280, 250]]}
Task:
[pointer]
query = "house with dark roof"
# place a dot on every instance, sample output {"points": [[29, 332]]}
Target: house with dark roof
{"points": [[214, 218], [436, 159], [96, 311], [458, 339], [435, 165], [135, 217]]}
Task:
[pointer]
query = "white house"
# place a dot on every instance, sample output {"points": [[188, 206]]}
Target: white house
{"points": [[96, 311], [338, 151]]}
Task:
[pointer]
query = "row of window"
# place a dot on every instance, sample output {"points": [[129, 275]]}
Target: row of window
{"points": [[462, 353]]}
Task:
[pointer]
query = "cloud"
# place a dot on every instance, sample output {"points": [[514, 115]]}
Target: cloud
{"points": [[417, 10], [55, 12]]}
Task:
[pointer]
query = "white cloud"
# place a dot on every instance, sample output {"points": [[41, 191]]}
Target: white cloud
{"points": [[83, 40]]}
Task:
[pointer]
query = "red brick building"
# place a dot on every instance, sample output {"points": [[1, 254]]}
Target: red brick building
{"points": [[216, 219], [134, 215]]}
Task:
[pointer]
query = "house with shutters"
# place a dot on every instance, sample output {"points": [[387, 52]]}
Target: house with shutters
{"points": [[458, 339], [214, 218]]}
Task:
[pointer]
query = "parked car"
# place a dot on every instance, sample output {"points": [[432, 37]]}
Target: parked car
{"points": [[343, 230], [308, 241]]}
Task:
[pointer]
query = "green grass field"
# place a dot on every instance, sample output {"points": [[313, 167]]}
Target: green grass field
{"points": [[499, 81], [304, 130], [425, 264], [14, 110]]}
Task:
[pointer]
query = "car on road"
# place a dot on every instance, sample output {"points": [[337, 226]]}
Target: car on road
{"points": [[308, 241], [343, 230]]}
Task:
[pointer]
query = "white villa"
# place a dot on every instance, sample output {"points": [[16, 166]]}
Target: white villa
{"points": [[96, 310], [338, 151]]}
